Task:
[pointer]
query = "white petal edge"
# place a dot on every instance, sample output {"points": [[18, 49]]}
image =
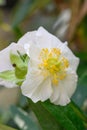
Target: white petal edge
{"points": [[63, 100], [27, 38], [66, 52], [5, 58], [44, 39], [62, 93], [7, 84], [41, 37], [70, 87]]}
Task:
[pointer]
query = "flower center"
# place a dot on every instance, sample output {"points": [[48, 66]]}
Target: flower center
{"points": [[53, 64]]}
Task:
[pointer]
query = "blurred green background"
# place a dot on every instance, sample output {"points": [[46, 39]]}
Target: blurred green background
{"points": [[67, 19]]}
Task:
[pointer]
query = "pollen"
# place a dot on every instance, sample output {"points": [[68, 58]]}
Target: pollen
{"points": [[53, 64]]}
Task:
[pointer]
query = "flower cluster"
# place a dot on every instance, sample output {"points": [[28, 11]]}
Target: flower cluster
{"points": [[42, 65]]}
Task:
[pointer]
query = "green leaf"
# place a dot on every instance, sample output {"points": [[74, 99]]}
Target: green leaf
{"points": [[21, 12], [18, 33], [23, 120], [4, 127], [82, 55], [65, 116], [10, 76], [78, 111], [46, 120]]}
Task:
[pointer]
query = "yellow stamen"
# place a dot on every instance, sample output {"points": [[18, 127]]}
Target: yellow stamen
{"points": [[53, 64]]}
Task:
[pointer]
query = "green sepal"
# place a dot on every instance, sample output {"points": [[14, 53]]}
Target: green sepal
{"points": [[10, 76], [20, 63], [18, 60], [20, 72]]}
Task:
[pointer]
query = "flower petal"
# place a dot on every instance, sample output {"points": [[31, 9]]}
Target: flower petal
{"points": [[36, 87], [70, 83], [5, 59], [66, 52], [7, 84], [34, 52], [64, 90], [5, 63], [59, 97], [63, 100], [31, 83], [44, 39], [43, 92], [27, 38]]}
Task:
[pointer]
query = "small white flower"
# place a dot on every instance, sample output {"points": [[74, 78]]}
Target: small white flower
{"points": [[51, 70]]}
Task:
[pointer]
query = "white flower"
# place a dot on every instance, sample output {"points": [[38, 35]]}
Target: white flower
{"points": [[51, 70]]}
